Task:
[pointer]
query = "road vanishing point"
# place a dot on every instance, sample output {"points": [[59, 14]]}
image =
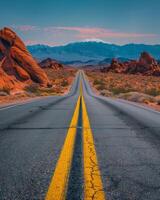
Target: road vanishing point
{"points": [[80, 146]]}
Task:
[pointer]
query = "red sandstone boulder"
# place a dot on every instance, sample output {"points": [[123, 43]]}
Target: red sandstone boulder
{"points": [[147, 59], [17, 64]]}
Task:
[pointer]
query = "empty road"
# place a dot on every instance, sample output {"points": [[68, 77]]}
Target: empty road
{"points": [[79, 146]]}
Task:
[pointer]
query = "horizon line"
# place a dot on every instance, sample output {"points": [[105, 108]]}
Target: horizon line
{"points": [[103, 42]]}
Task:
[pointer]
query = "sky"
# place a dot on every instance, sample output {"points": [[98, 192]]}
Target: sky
{"points": [[58, 22]]}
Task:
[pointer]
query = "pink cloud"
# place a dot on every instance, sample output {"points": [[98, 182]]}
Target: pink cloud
{"points": [[30, 42], [54, 35], [85, 32]]}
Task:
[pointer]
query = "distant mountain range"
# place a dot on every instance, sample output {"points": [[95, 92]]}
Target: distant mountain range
{"points": [[92, 52]]}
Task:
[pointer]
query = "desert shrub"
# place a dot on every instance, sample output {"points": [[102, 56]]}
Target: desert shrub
{"points": [[64, 83], [39, 91], [33, 88], [6, 90], [106, 93], [119, 90], [101, 87], [153, 92], [98, 82]]}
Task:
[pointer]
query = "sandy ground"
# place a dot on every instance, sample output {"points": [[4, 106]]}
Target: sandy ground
{"points": [[61, 80], [92, 76]]}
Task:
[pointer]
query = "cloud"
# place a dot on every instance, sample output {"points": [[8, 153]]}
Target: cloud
{"points": [[31, 42], [85, 32], [55, 35], [25, 28], [34, 42]]}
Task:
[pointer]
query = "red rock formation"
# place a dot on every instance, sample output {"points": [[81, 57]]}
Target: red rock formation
{"points": [[117, 66], [51, 63], [146, 65], [17, 64]]}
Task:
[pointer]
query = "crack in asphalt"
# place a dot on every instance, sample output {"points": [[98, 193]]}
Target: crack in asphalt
{"points": [[93, 167]]}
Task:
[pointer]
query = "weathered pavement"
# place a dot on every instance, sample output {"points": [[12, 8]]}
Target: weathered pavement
{"points": [[113, 148]]}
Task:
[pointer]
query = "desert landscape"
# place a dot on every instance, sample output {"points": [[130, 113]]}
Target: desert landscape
{"points": [[22, 77], [80, 100], [137, 81]]}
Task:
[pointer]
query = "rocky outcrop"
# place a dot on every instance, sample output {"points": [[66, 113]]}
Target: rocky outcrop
{"points": [[146, 65], [51, 63], [17, 66], [117, 66]]}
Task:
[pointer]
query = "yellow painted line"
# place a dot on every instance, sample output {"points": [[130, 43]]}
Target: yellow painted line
{"points": [[58, 186], [93, 187]]}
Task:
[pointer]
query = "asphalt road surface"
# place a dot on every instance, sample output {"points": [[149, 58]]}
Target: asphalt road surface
{"points": [[126, 140]]}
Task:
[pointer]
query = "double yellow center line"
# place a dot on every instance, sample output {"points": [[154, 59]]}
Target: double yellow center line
{"points": [[93, 187]]}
